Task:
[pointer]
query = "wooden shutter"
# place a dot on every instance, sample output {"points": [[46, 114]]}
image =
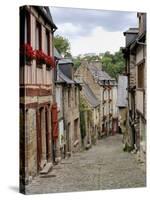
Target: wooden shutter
{"points": [[54, 121]]}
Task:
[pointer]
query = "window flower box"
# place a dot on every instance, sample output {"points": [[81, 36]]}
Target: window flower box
{"points": [[27, 54], [50, 62], [42, 58]]}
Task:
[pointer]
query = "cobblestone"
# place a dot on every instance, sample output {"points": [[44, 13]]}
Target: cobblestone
{"points": [[104, 166]]}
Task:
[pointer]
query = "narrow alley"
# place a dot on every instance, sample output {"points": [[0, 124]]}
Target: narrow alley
{"points": [[104, 166]]}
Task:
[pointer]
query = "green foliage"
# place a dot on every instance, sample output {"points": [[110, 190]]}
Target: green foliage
{"points": [[77, 62], [113, 64], [83, 108], [83, 104], [62, 45]]}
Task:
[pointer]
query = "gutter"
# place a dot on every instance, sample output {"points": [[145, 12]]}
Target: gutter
{"points": [[141, 43]]}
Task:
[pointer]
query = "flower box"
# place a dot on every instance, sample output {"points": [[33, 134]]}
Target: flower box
{"points": [[27, 54], [42, 58]]}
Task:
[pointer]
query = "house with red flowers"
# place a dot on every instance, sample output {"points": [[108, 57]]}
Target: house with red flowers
{"points": [[38, 109]]}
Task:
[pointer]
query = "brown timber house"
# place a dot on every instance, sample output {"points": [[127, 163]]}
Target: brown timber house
{"points": [[38, 109]]}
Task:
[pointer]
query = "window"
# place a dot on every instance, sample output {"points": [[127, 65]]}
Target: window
{"points": [[47, 43], [38, 38], [140, 74], [69, 97], [38, 41], [75, 129], [25, 27], [76, 96]]}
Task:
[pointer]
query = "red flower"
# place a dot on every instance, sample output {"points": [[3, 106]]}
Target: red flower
{"points": [[40, 56], [45, 59], [50, 61], [27, 51]]}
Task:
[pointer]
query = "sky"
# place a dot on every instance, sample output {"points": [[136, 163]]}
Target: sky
{"points": [[93, 31]]}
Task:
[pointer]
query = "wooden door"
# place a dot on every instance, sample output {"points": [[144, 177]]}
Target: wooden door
{"points": [[68, 137], [47, 134]]}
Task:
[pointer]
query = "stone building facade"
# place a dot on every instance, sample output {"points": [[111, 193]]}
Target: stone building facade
{"points": [[135, 56], [38, 128], [89, 116], [123, 108], [67, 97], [105, 89]]}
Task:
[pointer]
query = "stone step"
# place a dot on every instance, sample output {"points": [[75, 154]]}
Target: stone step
{"points": [[46, 168]]}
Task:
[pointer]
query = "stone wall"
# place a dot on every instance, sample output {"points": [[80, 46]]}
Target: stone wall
{"points": [[31, 143], [71, 118]]}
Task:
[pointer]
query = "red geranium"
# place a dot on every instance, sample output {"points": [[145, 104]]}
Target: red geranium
{"points": [[27, 51], [44, 59], [50, 61], [40, 56]]}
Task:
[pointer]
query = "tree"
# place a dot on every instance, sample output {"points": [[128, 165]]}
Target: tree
{"points": [[62, 45], [113, 64]]}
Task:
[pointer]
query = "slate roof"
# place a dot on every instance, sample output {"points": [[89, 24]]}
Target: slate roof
{"points": [[65, 61], [122, 91], [99, 74], [45, 12], [78, 81], [89, 95], [64, 78], [131, 30], [62, 74]]}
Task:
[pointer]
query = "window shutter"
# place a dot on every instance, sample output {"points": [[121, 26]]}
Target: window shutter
{"points": [[54, 121]]}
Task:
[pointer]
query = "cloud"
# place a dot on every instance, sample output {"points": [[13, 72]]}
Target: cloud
{"points": [[89, 19], [70, 30], [93, 31], [98, 42]]}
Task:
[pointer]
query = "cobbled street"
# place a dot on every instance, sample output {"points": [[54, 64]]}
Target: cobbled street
{"points": [[104, 166]]}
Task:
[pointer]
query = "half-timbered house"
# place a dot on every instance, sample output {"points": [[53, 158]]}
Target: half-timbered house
{"points": [[38, 110]]}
